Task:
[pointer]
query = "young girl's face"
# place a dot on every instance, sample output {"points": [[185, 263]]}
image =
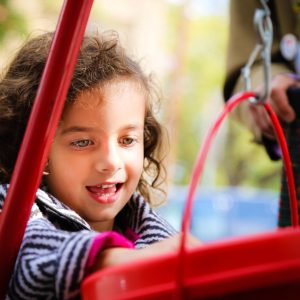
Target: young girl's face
{"points": [[96, 159]]}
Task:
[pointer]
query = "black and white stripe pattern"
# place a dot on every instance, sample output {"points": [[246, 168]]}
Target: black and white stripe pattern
{"points": [[147, 223], [56, 244], [50, 263]]}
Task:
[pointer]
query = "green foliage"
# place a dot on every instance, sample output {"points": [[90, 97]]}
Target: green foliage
{"points": [[236, 160], [10, 20]]}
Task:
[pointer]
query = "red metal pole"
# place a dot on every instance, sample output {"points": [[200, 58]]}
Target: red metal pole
{"points": [[40, 131]]}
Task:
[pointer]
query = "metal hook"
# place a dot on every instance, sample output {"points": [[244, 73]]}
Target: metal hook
{"points": [[265, 7], [264, 30], [263, 25]]}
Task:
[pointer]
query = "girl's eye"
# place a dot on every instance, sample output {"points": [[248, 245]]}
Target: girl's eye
{"points": [[127, 141], [81, 143]]}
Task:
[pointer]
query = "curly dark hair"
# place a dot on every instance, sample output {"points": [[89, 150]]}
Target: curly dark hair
{"points": [[101, 58]]}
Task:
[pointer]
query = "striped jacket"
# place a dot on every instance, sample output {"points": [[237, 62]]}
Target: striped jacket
{"points": [[55, 249]]}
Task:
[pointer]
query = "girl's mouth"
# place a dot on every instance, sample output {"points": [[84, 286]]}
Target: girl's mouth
{"points": [[105, 193]]}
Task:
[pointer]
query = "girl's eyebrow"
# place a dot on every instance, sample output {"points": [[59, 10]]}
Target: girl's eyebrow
{"points": [[134, 127], [73, 129], [77, 129]]}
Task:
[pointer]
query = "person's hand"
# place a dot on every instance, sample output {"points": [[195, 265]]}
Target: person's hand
{"points": [[116, 256], [279, 102]]}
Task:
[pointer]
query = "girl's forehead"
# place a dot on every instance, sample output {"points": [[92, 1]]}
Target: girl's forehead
{"points": [[116, 98], [113, 90]]}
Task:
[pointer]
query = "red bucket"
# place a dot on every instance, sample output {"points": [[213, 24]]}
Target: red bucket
{"points": [[261, 267]]}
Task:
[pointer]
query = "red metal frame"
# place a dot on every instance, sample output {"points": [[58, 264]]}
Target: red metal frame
{"points": [[40, 131]]}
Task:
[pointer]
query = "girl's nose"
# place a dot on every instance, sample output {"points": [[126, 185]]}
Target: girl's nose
{"points": [[109, 158]]}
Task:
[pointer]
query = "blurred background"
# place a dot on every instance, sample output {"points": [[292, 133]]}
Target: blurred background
{"points": [[184, 44]]}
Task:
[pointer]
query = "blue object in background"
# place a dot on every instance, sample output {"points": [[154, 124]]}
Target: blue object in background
{"points": [[220, 213]]}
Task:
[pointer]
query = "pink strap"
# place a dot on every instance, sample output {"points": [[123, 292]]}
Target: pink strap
{"points": [[106, 240]]}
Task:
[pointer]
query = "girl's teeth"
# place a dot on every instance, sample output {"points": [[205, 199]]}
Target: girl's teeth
{"points": [[106, 186]]}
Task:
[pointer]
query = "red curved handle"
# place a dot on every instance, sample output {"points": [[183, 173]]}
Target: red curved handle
{"points": [[198, 168]]}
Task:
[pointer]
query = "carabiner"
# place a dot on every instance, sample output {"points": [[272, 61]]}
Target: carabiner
{"points": [[264, 29]]}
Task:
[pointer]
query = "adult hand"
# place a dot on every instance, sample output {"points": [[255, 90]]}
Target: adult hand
{"points": [[279, 102]]}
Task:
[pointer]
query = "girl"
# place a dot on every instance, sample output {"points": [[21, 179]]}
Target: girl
{"points": [[92, 209]]}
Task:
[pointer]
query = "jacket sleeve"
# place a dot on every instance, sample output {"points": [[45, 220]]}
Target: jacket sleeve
{"points": [[51, 263]]}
